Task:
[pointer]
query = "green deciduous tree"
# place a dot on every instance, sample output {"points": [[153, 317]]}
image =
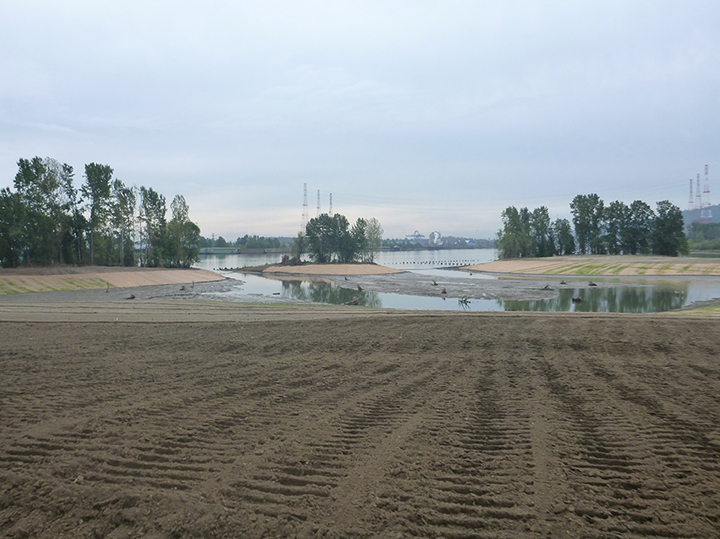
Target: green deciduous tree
{"points": [[636, 239], [373, 235], [514, 240], [75, 222], [541, 233], [38, 187], [587, 213], [96, 191], [299, 248], [599, 229], [331, 239], [12, 229], [354, 246], [616, 219], [704, 236], [563, 236], [152, 226], [122, 217], [668, 236], [320, 233], [526, 233], [183, 236], [47, 220]]}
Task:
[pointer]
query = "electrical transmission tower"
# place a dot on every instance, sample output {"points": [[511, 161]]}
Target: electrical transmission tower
{"points": [[691, 202], [318, 204], [705, 210], [305, 214], [330, 210], [698, 199]]}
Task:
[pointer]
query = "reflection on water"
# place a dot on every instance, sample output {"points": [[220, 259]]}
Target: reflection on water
{"points": [[408, 260], [319, 292], [621, 299], [646, 298]]}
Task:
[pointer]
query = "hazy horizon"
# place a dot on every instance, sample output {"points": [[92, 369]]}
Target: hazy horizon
{"points": [[425, 115]]}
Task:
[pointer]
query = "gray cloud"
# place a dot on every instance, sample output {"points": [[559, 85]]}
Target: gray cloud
{"points": [[427, 115]]}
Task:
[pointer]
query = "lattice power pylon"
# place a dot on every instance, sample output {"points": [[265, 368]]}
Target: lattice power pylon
{"points": [[305, 214], [691, 201], [705, 210], [698, 199]]}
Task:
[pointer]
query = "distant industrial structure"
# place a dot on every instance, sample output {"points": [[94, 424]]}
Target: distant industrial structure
{"points": [[416, 236], [434, 240], [306, 212], [699, 207]]}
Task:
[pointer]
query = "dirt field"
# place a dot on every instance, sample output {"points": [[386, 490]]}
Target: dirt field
{"points": [[296, 422]]}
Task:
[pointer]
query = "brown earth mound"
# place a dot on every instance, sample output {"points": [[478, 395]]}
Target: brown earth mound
{"points": [[453, 425]]}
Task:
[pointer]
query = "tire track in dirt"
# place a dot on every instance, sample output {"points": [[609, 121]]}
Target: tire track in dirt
{"points": [[683, 440], [326, 467], [613, 455], [483, 485], [473, 427], [167, 463]]}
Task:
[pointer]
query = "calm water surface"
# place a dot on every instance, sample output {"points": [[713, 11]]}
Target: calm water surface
{"points": [[393, 259], [642, 296]]}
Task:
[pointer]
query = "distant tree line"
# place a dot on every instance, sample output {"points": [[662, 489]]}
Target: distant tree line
{"points": [[245, 242], [448, 242], [704, 236], [598, 229], [329, 238], [46, 220]]}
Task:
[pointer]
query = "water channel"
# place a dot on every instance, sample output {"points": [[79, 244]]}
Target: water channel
{"points": [[640, 295]]}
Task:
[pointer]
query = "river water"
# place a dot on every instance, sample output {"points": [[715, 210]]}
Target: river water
{"points": [[640, 296], [393, 259]]}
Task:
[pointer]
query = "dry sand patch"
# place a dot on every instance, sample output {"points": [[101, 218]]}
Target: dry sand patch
{"points": [[22, 280], [604, 265]]}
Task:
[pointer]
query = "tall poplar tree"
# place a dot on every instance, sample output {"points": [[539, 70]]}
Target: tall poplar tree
{"points": [[96, 191]]}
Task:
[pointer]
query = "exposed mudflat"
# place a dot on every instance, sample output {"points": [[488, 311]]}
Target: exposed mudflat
{"points": [[301, 422], [463, 285]]}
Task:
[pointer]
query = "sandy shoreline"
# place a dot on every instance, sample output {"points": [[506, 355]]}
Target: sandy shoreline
{"points": [[24, 280], [605, 265], [45, 279], [203, 285]]}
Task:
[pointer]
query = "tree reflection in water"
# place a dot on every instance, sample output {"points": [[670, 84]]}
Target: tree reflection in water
{"points": [[320, 292], [615, 299], [612, 299]]}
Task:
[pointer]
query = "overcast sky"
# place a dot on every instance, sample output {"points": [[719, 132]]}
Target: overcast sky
{"points": [[426, 115]]}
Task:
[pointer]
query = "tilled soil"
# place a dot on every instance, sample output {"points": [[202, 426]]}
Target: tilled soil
{"points": [[465, 425]]}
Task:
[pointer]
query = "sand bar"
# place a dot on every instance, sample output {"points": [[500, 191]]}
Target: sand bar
{"points": [[22, 280], [608, 265]]}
